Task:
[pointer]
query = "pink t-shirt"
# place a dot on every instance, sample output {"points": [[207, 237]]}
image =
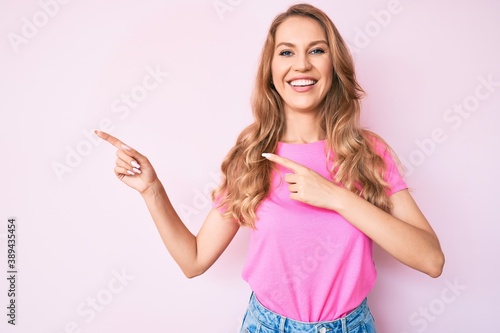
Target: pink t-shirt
{"points": [[304, 262]]}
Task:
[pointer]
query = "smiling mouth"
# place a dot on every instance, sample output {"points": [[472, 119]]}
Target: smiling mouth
{"points": [[302, 83]]}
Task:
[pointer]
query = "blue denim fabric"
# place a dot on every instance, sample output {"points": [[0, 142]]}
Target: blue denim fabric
{"points": [[258, 319]]}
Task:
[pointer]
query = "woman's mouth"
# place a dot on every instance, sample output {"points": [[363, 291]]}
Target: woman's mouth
{"points": [[302, 83]]}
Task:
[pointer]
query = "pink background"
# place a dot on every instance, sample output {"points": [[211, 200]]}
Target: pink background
{"points": [[79, 228]]}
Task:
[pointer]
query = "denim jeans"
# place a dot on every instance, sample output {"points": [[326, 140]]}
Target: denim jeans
{"points": [[258, 319]]}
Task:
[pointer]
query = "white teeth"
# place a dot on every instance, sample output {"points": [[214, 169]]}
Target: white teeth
{"points": [[302, 83]]}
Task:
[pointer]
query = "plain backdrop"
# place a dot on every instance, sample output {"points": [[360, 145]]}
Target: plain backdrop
{"points": [[173, 79]]}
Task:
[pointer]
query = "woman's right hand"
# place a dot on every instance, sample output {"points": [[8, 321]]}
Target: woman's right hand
{"points": [[132, 168], [193, 254]]}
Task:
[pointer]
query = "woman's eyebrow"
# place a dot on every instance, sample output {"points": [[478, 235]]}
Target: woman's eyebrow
{"points": [[310, 44]]}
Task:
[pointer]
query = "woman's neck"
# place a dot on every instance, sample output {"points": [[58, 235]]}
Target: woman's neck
{"points": [[302, 128]]}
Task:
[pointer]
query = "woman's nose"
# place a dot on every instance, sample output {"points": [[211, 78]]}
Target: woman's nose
{"points": [[302, 63]]}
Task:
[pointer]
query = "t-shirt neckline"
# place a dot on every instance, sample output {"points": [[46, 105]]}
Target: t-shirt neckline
{"points": [[301, 147]]}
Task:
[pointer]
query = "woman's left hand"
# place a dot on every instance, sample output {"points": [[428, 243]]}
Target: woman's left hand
{"points": [[306, 185], [404, 233]]}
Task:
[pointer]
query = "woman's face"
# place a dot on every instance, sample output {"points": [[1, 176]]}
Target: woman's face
{"points": [[301, 67]]}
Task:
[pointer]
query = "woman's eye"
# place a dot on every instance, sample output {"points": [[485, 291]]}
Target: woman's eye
{"points": [[285, 53], [318, 51]]}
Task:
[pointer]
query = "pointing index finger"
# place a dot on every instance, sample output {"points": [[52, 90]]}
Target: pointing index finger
{"points": [[283, 161], [112, 140]]}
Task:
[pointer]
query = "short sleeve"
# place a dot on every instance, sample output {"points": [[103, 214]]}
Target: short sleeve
{"points": [[393, 176]]}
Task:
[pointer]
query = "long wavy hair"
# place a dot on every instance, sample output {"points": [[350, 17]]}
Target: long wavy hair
{"points": [[246, 175]]}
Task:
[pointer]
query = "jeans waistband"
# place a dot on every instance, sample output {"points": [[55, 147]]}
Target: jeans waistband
{"points": [[280, 323]]}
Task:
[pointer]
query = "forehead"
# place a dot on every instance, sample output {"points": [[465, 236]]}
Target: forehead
{"points": [[298, 29]]}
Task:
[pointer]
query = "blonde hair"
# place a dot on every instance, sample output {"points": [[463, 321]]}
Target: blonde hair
{"points": [[246, 175]]}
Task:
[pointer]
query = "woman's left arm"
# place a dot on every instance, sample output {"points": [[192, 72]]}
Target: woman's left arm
{"points": [[405, 233]]}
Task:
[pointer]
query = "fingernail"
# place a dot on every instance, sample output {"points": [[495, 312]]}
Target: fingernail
{"points": [[130, 172], [136, 170], [266, 155], [135, 164], [126, 147]]}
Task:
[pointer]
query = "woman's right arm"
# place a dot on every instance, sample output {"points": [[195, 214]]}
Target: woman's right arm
{"points": [[193, 254]]}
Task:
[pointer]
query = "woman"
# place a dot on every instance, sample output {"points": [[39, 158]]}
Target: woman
{"points": [[315, 188]]}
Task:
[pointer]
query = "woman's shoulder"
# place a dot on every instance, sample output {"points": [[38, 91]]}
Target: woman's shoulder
{"points": [[385, 151], [378, 143]]}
